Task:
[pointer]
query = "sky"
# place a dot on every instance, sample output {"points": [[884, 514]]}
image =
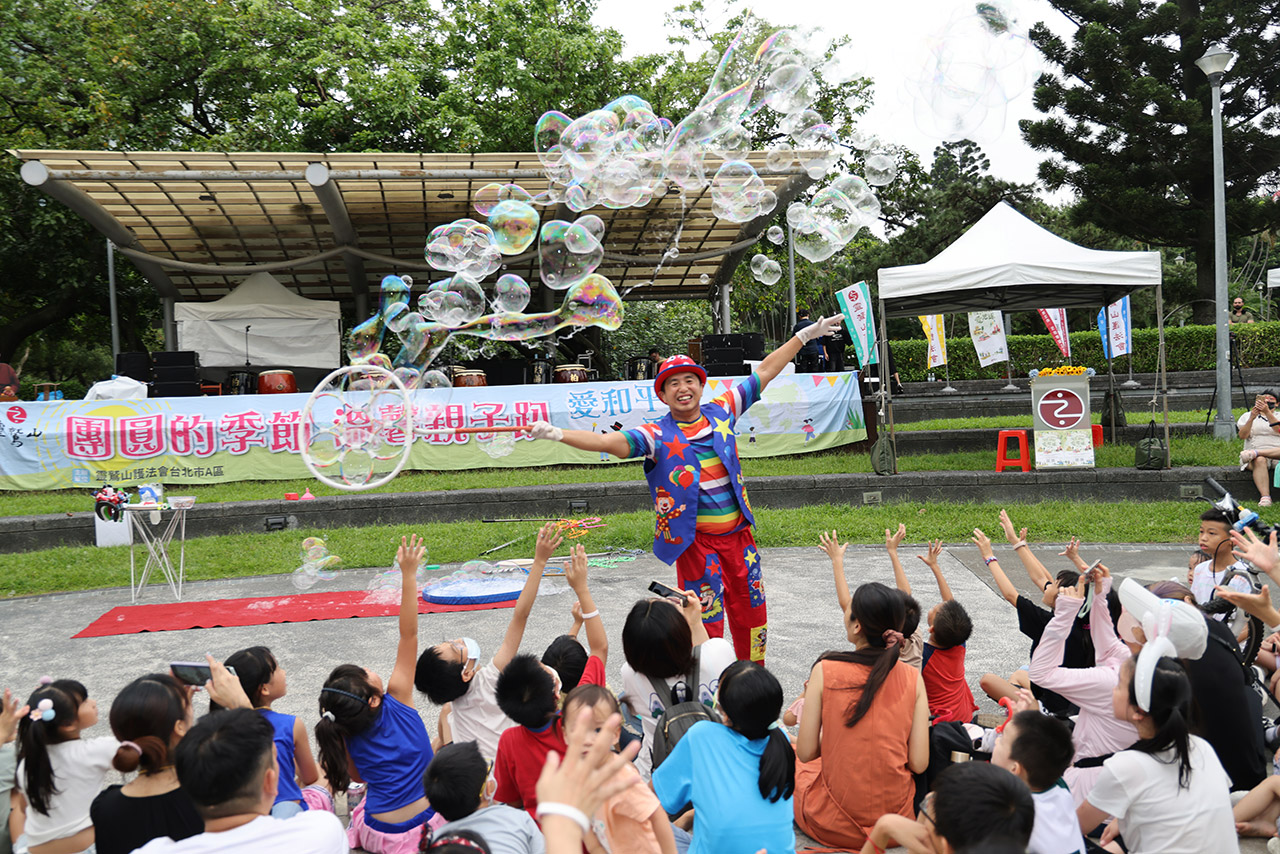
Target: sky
{"points": [[893, 42]]}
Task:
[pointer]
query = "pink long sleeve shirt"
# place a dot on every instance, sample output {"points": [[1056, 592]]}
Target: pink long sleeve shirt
{"points": [[1097, 731]]}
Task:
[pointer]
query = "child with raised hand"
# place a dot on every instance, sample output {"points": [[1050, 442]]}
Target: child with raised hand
{"points": [[633, 821], [371, 731], [264, 682], [529, 693], [913, 639], [59, 773], [565, 655], [1168, 790], [458, 785], [10, 712], [739, 775], [943, 670], [451, 675]]}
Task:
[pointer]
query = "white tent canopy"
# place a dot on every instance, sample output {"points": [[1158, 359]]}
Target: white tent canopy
{"points": [[1005, 262], [1273, 278], [285, 329]]}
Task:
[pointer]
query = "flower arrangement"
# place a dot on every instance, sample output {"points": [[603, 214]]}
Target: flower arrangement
{"points": [[1062, 371]]}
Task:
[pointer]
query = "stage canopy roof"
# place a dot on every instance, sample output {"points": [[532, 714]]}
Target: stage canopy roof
{"points": [[329, 226], [1005, 262]]}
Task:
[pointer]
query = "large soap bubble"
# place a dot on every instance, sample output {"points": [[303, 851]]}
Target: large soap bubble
{"points": [[510, 293], [560, 265]]}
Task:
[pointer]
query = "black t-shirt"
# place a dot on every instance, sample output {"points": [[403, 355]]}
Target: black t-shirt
{"points": [[1077, 652], [123, 824], [1230, 713]]}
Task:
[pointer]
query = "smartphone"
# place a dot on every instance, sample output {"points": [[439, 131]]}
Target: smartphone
{"points": [[1093, 568], [193, 672], [659, 589]]}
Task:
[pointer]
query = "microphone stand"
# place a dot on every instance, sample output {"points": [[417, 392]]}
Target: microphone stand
{"points": [[246, 344]]}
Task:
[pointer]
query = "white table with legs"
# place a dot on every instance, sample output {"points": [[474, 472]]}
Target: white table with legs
{"points": [[157, 539]]}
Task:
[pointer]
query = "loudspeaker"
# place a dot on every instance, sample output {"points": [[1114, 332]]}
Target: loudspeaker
{"points": [[177, 374], [136, 366], [753, 345], [174, 389], [725, 369], [177, 358], [721, 354], [716, 341]]}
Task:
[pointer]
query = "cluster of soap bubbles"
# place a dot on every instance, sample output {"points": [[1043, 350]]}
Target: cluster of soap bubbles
{"points": [[497, 445], [765, 269], [353, 428], [833, 216], [317, 564], [973, 65]]}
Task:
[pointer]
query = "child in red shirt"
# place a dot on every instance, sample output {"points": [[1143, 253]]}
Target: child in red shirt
{"points": [[943, 671]]}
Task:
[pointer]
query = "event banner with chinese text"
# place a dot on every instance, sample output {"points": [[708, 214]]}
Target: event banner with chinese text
{"points": [[191, 440]]}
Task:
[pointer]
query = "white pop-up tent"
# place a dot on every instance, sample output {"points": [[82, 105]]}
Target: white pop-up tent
{"points": [[1005, 262], [285, 329]]}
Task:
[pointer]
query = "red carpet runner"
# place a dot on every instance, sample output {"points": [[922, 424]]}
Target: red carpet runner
{"points": [[226, 613]]}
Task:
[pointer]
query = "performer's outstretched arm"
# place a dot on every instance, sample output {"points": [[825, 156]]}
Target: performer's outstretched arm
{"points": [[584, 440], [778, 359]]}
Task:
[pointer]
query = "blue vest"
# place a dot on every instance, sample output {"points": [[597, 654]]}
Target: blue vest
{"points": [[675, 528], [287, 789]]}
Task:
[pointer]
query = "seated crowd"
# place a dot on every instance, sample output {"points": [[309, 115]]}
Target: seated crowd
{"points": [[1129, 729]]}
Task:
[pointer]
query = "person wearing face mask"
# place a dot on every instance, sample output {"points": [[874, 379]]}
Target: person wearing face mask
{"points": [[703, 517]]}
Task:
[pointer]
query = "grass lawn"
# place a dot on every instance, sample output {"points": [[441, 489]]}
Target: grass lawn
{"points": [[1187, 451], [83, 568], [1193, 416]]}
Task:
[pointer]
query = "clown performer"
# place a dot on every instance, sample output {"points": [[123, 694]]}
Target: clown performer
{"points": [[703, 517]]}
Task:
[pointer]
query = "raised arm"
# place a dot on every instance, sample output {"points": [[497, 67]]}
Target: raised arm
{"points": [[1003, 584], [778, 359], [893, 539], [1072, 553], [692, 611], [931, 561], [576, 572], [835, 550], [1107, 646], [809, 738], [584, 440], [408, 556], [549, 540], [1040, 576]]}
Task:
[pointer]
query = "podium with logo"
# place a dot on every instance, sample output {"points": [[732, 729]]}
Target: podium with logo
{"points": [[1064, 430]]}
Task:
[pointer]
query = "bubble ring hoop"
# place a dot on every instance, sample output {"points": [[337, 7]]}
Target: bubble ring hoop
{"points": [[384, 382]]}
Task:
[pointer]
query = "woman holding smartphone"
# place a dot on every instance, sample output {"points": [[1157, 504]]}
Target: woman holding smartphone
{"points": [[1260, 430]]}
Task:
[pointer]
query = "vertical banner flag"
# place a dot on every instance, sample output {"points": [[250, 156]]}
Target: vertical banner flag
{"points": [[1103, 334], [932, 325], [1056, 320], [855, 304], [1118, 327], [987, 331]]}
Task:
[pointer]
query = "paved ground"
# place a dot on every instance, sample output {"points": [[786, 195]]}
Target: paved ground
{"points": [[804, 621]]}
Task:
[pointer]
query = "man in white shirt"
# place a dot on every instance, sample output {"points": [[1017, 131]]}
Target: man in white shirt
{"points": [[227, 765]]}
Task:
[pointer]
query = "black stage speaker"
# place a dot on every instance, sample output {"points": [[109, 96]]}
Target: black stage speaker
{"points": [[177, 358], [753, 345], [134, 365], [175, 389], [177, 374], [725, 369], [721, 354]]}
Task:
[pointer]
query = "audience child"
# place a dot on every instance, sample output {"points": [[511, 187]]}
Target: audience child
{"points": [[565, 655], [1098, 732], [943, 669], [974, 807], [528, 693], [739, 775], [227, 765], [631, 822], [1037, 748], [912, 652], [451, 675], [863, 709], [1168, 790], [150, 716], [376, 732], [263, 680], [1032, 618], [458, 785], [658, 641], [59, 773], [458, 841], [10, 712], [1215, 539]]}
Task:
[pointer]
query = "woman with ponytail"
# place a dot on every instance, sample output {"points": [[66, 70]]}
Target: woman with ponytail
{"points": [[863, 710], [149, 716], [1168, 790], [59, 773], [738, 775]]}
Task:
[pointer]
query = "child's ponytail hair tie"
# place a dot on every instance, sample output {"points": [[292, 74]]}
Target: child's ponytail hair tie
{"points": [[43, 711], [131, 746], [46, 680], [327, 715], [892, 636]]}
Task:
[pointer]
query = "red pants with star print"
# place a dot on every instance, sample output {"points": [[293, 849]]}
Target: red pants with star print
{"points": [[724, 569]]}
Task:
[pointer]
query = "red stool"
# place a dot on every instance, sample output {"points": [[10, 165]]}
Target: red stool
{"points": [[1097, 435], [1023, 461]]}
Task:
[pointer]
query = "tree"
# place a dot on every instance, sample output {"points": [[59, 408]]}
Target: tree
{"points": [[1128, 120]]}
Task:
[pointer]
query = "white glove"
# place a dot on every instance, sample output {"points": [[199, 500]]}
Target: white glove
{"points": [[820, 328], [545, 430]]}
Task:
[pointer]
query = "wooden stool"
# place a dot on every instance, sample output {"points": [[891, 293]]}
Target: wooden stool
{"points": [[1097, 435], [1003, 461]]}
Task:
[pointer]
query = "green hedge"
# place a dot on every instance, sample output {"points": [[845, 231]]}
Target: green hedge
{"points": [[1188, 348]]}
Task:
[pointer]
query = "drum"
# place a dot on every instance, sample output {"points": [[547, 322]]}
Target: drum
{"points": [[277, 382], [541, 372], [242, 382], [638, 368], [470, 379], [574, 373]]}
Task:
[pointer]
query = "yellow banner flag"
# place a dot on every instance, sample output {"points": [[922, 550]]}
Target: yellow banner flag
{"points": [[933, 330]]}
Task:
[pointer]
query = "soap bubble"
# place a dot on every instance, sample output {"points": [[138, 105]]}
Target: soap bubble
{"points": [[559, 266], [511, 293], [514, 224], [500, 445], [464, 246], [317, 564], [776, 235], [704, 279], [453, 302], [757, 263], [770, 273], [880, 169]]}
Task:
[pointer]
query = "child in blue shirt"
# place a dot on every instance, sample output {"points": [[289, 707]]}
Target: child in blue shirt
{"points": [[739, 775]]}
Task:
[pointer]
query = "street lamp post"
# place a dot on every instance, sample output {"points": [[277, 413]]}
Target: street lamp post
{"points": [[1213, 64]]}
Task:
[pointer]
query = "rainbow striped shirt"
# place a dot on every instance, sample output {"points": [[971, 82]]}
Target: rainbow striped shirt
{"points": [[718, 511]]}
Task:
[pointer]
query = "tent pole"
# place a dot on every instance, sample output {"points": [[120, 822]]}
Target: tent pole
{"points": [[1164, 377], [111, 294], [1008, 355], [791, 278], [886, 385]]}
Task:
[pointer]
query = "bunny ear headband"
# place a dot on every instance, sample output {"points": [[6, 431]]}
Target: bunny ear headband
{"points": [[1156, 625]]}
